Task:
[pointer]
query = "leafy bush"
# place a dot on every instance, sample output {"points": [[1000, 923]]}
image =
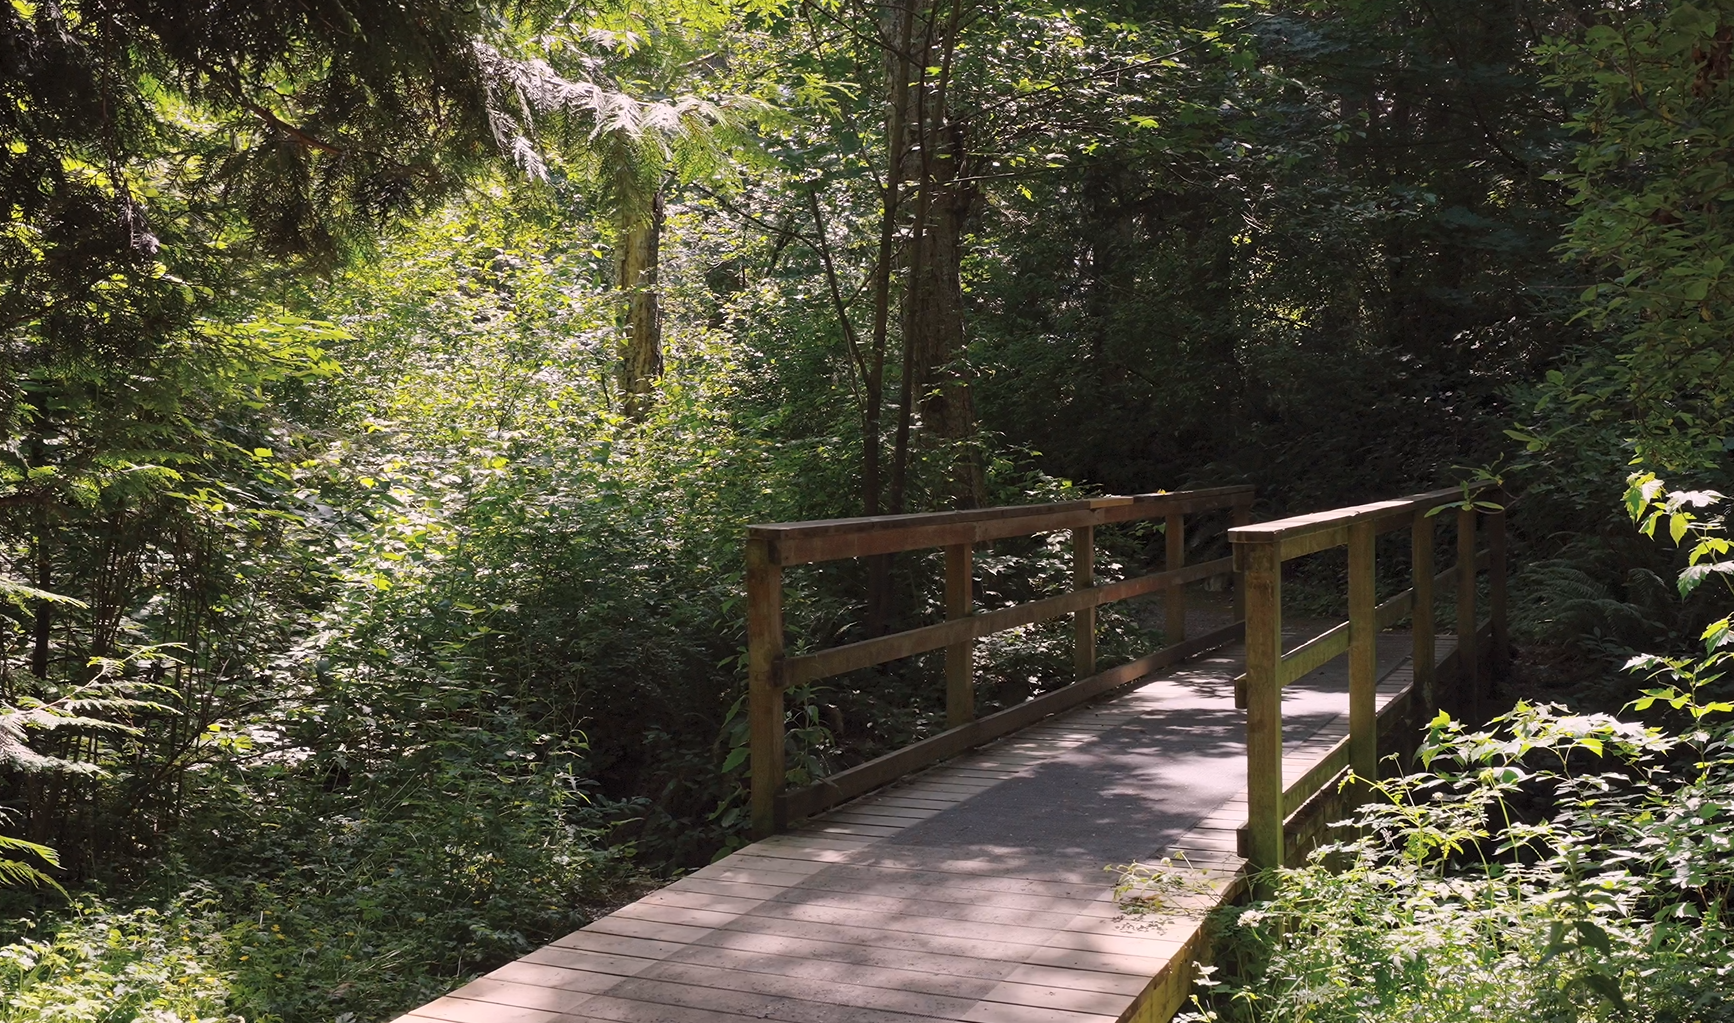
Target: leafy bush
{"points": [[1557, 866]]}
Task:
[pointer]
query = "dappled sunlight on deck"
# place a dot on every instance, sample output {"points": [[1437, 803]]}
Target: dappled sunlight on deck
{"points": [[975, 891]]}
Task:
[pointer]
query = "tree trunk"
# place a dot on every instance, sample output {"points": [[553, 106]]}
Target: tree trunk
{"points": [[641, 351], [935, 379], [933, 325]]}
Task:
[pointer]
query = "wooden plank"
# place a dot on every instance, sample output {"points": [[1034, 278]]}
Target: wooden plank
{"points": [[845, 785], [1263, 567], [1084, 620], [792, 962], [1241, 516], [1421, 624], [868, 652], [1315, 653], [959, 657], [764, 696], [1390, 612], [1363, 653], [794, 543], [1383, 515], [1295, 795], [1176, 560], [1496, 591], [1468, 674], [706, 986]]}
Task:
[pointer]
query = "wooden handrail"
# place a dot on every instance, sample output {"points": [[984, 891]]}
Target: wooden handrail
{"points": [[770, 674], [1259, 554], [800, 543]]}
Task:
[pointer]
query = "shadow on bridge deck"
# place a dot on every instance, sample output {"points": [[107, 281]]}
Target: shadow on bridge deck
{"points": [[974, 891]]}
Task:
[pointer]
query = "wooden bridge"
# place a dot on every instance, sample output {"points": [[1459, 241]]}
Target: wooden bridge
{"points": [[980, 874]]}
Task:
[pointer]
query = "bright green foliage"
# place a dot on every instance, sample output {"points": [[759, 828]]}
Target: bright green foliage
{"points": [[106, 964], [1651, 93], [1556, 866]]}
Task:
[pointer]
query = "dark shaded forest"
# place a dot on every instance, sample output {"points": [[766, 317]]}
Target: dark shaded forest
{"points": [[385, 390]]}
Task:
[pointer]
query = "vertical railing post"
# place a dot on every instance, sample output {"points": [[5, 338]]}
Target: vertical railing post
{"points": [[764, 689], [1084, 622], [1262, 564], [959, 657], [1176, 594], [1468, 670], [1242, 516], [1421, 621], [1363, 653], [1496, 593]]}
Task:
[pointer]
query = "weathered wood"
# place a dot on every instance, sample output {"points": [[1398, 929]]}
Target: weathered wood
{"points": [[796, 543], [1363, 653], [1296, 795], [845, 785], [1084, 621], [1421, 624], [1176, 559], [959, 657], [1390, 612], [1315, 653], [1496, 591], [764, 696], [1384, 516], [1469, 675], [1242, 515], [853, 656], [1263, 566]]}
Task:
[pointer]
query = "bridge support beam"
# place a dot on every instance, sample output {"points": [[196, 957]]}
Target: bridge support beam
{"points": [[960, 657], [1261, 564], [1363, 654], [764, 690], [1084, 622], [1469, 677], [1176, 536], [1421, 618]]}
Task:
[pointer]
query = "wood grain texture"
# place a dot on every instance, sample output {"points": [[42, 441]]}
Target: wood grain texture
{"points": [[852, 918]]}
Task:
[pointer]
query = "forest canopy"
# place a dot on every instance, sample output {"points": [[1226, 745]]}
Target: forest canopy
{"points": [[385, 389]]}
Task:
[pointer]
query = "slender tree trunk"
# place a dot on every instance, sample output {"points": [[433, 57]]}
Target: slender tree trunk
{"points": [[641, 353], [935, 378], [897, 34]]}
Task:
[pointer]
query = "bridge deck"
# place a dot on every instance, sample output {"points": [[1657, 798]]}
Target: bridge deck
{"points": [[974, 891]]}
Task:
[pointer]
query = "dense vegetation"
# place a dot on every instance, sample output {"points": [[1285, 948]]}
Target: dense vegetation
{"points": [[384, 389]]}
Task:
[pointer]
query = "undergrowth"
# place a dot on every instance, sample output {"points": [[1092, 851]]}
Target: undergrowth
{"points": [[1556, 866]]}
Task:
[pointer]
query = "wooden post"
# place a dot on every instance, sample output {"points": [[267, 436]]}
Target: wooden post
{"points": [[764, 691], [1363, 654], [1421, 621], [1176, 594], [1262, 566], [1084, 622], [1242, 516], [1468, 673], [959, 657], [1496, 594]]}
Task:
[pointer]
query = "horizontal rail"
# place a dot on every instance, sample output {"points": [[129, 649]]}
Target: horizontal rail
{"points": [[770, 673], [847, 784], [868, 652], [1333, 764], [1300, 535], [1398, 607], [1314, 653], [1332, 643], [800, 543]]}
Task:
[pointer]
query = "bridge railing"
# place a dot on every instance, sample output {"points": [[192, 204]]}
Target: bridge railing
{"points": [[771, 548], [1260, 552]]}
